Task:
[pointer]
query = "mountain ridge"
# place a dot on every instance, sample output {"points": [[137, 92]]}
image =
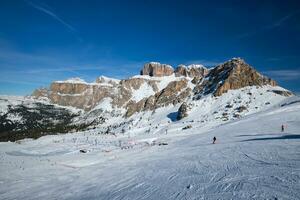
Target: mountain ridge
{"points": [[226, 92], [233, 74]]}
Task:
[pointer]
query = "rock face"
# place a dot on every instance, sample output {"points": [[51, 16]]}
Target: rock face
{"points": [[182, 111], [40, 93], [231, 75], [175, 92], [164, 87], [240, 75], [79, 95], [157, 69], [181, 70], [191, 71]]}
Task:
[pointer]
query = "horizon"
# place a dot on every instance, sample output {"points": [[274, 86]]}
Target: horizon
{"points": [[45, 41]]}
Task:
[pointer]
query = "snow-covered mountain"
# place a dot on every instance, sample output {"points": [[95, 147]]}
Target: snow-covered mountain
{"points": [[252, 158], [143, 102], [150, 137]]}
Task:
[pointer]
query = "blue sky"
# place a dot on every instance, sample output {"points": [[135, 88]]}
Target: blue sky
{"points": [[46, 40]]}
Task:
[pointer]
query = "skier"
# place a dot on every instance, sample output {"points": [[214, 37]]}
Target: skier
{"points": [[214, 140], [282, 128]]}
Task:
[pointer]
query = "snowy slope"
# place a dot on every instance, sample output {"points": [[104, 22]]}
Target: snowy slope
{"points": [[207, 112], [251, 160]]}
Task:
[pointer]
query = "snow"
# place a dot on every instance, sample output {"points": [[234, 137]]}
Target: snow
{"points": [[108, 80], [163, 81], [73, 80], [105, 104], [158, 63], [195, 66], [144, 91], [6, 100], [251, 160], [14, 117], [105, 81], [29, 102]]}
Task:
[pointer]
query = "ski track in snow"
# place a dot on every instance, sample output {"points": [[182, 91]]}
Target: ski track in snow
{"points": [[251, 160]]}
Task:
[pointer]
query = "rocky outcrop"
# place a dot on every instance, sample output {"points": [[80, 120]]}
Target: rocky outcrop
{"points": [[41, 93], [282, 92], [231, 75], [135, 83], [133, 107], [239, 75], [80, 95], [181, 70], [175, 92], [191, 71], [182, 111], [107, 80], [157, 69]]}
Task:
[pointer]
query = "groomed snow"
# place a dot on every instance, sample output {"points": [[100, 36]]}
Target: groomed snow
{"points": [[252, 159]]}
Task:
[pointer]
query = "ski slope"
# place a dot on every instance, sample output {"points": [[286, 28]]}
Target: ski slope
{"points": [[252, 159]]}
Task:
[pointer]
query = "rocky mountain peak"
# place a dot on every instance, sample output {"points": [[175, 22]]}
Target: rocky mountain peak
{"points": [[191, 71], [157, 69], [107, 80], [231, 75]]}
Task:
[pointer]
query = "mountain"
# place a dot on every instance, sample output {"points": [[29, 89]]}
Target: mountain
{"points": [[252, 158], [220, 94]]}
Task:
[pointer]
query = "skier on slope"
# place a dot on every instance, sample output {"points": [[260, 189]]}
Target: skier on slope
{"points": [[282, 128], [214, 140]]}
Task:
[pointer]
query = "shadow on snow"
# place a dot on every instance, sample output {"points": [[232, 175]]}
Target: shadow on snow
{"points": [[173, 116], [283, 137]]}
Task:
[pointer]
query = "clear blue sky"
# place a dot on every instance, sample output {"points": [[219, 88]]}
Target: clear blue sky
{"points": [[46, 40]]}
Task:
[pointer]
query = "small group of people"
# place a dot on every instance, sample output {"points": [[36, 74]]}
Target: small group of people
{"points": [[282, 130]]}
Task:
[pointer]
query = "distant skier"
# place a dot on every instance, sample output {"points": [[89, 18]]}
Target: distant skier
{"points": [[214, 140], [282, 128]]}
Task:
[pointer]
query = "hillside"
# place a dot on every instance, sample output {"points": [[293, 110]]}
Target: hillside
{"points": [[252, 159]]}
